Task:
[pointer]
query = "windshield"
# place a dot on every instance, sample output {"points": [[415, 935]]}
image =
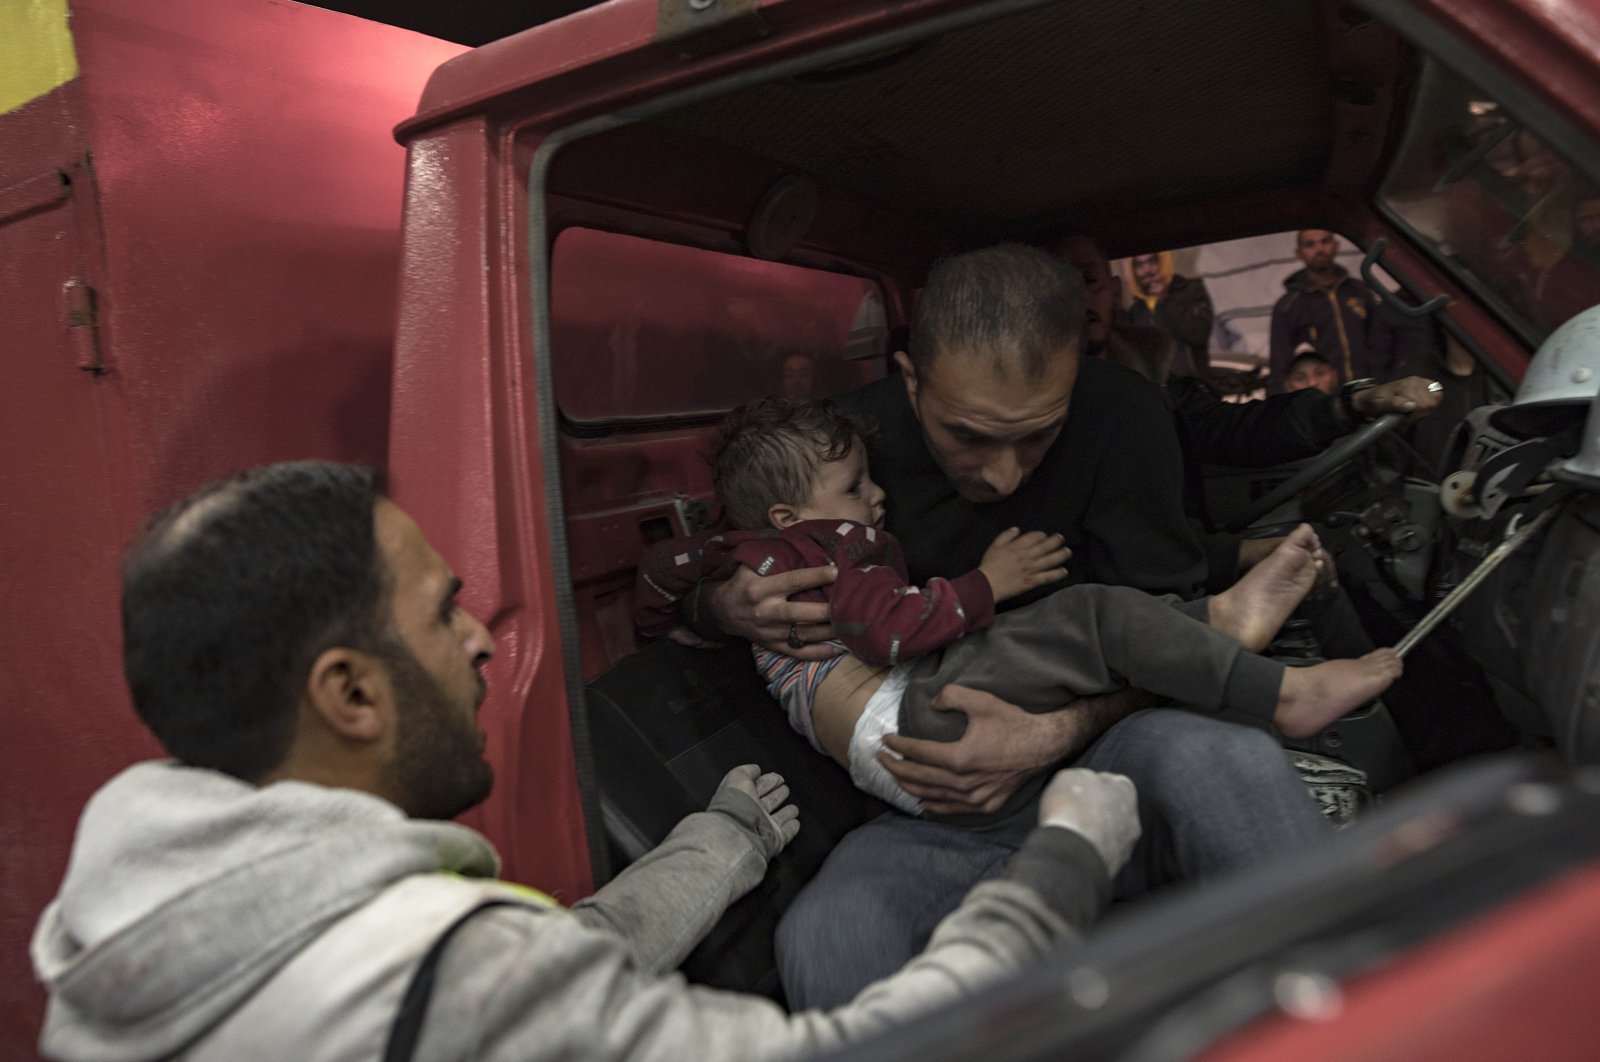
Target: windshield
{"points": [[1501, 209]]}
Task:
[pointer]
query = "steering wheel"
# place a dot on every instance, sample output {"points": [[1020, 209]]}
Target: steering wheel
{"points": [[1330, 459]]}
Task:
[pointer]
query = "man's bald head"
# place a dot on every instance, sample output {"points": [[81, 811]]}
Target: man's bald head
{"points": [[1013, 309]]}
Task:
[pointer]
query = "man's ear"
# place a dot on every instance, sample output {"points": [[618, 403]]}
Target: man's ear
{"points": [[908, 372], [350, 692], [1116, 290], [783, 515]]}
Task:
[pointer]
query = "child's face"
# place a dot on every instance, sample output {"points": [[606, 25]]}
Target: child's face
{"points": [[845, 491]]}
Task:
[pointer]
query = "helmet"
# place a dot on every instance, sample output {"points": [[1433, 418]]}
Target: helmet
{"points": [[1585, 468], [1562, 379]]}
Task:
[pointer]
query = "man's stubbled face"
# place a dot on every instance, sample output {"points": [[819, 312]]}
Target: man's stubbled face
{"points": [[437, 769], [988, 427], [1317, 248]]}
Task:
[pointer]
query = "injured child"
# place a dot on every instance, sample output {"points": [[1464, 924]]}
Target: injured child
{"points": [[793, 479]]}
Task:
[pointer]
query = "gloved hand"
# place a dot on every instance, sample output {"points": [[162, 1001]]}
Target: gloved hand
{"points": [[756, 801], [1102, 807]]}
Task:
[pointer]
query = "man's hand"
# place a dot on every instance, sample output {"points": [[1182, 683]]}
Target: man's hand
{"points": [[768, 792], [1016, 563], [757, 608], [1002, 748], [1410, 395], [1102, 807]]}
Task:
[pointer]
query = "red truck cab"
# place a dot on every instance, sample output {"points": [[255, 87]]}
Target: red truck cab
{"points": [[618, 225]]}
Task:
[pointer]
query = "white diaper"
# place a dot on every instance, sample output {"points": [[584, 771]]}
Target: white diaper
{"points": [[881, 716]]}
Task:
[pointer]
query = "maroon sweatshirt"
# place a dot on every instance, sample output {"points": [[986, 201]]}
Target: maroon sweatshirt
{"points": [[877, 614]]}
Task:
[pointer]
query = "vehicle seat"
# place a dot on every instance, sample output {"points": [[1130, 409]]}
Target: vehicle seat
{"points": [[666, 723]]}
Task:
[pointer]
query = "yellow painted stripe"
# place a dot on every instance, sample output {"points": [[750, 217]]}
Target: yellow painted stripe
{"points": [[35, 50]]}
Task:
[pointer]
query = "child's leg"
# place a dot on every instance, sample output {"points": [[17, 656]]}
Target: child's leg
{"points": [[1254, 608], [1090, 639], [1085, 640], [1313, 697]]}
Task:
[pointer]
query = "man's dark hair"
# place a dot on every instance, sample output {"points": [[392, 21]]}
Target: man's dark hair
{"points": [[1012, 305], [767, 453], [229, 596]]}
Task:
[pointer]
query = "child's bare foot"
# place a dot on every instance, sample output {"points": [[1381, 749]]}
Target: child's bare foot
{"points": [[1253, 608], [1313, 697]]}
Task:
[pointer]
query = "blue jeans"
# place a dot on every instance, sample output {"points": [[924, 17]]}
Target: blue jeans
{"points": [[1213, 797]]}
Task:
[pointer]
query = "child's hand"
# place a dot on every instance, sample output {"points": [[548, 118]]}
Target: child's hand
{"points": [[1016, 563]]}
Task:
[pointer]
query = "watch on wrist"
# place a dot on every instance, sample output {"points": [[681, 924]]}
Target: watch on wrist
{"points": [[1347, 395]]}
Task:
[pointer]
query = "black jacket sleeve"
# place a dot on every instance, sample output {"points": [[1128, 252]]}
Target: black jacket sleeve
{"points": [[1269, 431], [1137, 528]]}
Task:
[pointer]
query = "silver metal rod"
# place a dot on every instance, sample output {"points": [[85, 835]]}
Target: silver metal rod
{"points": [[1454, 598]]}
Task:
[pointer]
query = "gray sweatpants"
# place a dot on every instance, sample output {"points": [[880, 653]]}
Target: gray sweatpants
{"points": [[1090, 639], [1082, 641]]}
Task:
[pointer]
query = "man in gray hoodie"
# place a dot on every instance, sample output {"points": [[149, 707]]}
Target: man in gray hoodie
{"points": [[289, 885]]}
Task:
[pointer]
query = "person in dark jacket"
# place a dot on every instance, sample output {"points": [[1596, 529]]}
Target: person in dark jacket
{"points": [[1467, 385], [1340, 318], [1178, 305]]}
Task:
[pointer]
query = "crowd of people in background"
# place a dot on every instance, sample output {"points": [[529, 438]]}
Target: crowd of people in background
{"points": [[1329, 330]]}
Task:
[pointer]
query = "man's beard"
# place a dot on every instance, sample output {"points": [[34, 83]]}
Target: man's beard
{"points": [[438, 770]]}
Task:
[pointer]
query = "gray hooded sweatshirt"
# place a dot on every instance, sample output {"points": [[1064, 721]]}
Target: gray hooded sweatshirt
{"points": [[206, 918]]}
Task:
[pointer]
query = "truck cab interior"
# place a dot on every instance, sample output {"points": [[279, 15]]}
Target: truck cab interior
{"points": [[758, 218]]}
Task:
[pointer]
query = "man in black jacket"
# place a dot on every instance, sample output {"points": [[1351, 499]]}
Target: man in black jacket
{"points": [[996, 421], [1340, 318]]}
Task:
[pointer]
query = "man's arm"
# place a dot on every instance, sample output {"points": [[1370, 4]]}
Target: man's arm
{"points": [[1285, 427], [1002, 748], [532, 984], [665, 902], [1258, 434]]}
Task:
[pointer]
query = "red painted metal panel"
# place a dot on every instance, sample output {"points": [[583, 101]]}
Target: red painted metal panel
{"points": [[66, 724], [605, 57], [240, 230], [1515, 984], [466, 459], [250, 197]]}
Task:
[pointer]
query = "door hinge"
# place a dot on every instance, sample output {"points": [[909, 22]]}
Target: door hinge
{"points": [[83, 324], [693, 28]]}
